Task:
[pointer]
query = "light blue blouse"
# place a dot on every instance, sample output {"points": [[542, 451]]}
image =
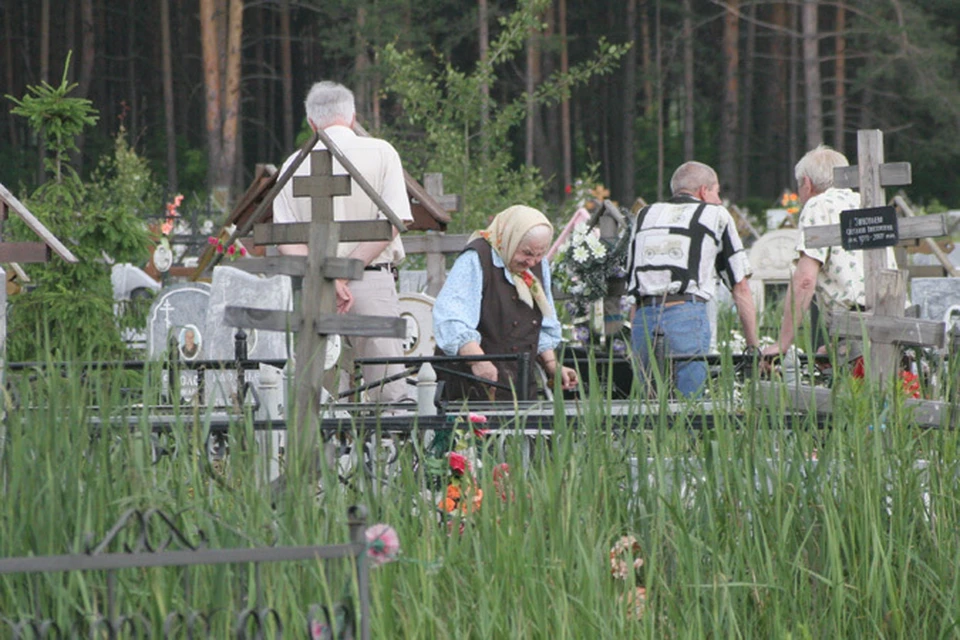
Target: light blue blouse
{"points": [[456, 313]]}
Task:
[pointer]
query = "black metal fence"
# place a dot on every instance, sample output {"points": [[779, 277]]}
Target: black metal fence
{"points": [[152, 539]]}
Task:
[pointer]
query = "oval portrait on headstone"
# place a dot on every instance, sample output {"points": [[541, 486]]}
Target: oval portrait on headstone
{"points": [[190, 342]]}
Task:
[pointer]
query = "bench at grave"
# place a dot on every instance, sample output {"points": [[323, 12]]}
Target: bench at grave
{"points": [[131, 547], [883, 323]]}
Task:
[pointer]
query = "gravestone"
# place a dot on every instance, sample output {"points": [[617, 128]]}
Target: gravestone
{"points": [[233, 287], [939, 299], [178, 311], [771, 258], [417, 310]]}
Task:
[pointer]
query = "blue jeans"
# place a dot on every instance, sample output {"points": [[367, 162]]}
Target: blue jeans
{"points": [[686, 331]]}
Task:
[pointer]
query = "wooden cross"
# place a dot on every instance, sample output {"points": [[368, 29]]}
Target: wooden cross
{"points": [[885, 289], [436, 261], [317, 316]]}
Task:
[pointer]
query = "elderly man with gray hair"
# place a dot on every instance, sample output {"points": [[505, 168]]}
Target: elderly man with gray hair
{"points": [[677, 250], [833, 273], [331, 107]]}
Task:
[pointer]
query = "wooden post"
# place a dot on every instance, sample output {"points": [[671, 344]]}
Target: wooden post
{"points": [[436, 260]]}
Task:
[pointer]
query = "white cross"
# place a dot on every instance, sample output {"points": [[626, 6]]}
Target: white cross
{"points": [[166, 308]]}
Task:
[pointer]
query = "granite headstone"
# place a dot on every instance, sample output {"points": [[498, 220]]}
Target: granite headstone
{"points": [[939, 299]]}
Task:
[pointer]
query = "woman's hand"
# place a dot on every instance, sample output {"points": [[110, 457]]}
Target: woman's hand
{"points": [[568, 378], [484, 369]]}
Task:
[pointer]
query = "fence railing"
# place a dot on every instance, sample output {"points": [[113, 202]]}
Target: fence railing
{"points": [[151, 539]]}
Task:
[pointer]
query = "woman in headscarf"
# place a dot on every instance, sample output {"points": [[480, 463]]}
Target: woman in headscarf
{"points": [[497, 300]]}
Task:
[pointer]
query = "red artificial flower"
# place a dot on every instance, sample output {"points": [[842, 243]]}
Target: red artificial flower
{"points": [[232, 249], [213, 240], [243, 251], [458, 464], [219, 248], [477, 418], [911, 384], [568, 189]]}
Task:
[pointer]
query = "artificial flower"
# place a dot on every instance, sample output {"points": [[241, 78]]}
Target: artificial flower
{"points": [[383, 544], [458, 464]]}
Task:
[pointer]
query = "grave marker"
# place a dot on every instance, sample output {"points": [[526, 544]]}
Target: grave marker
{"points": [[317, 316], [885, 289]]}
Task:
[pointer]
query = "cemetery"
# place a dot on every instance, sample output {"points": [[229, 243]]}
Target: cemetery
{"points": [[192, 444]]}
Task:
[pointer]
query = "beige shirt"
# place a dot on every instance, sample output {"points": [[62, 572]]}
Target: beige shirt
{"points": [[840, 284], [379, 163]]}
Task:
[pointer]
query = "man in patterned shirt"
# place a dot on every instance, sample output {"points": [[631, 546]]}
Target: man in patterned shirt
{"points": [[677, 249], [835, 274]]}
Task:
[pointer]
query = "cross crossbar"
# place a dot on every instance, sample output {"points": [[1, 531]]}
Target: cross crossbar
{"points": [[298, 232], [892, 174], [828, 235], [338, 324], [909, 332]]}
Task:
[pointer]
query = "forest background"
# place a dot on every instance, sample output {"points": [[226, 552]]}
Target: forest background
{"points": [[206, 89]]}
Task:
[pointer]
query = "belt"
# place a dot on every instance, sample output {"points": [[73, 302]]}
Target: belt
{"points": [[652, 301], [380, 266]]}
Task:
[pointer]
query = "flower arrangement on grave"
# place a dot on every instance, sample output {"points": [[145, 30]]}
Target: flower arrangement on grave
{"points": [[463, 494], [163, 253], [790, 201], [626, 566], [584, 266], [233, 250]]}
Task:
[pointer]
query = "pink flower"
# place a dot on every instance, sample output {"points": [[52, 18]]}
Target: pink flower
{"points": [[212, 240], [243, 251], [477, 418], [219, 248], [383, 544], [231, 250], [458, 464]]}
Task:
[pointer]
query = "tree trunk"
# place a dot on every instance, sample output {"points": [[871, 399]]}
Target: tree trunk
{"points": [[811, 74], [483, 35], [775, 103], [793, 135], [689, 86], [231, 103], [746, 128], [71, 37], [531, 81], [88, 49], [133, 81], [8, 19], [628, 186], [168, 101], [45, 41], [362, 67], [211, 79], [286, 71], [730, 118], [840, 81], [565, 141], [659, 102], [646, 59]]}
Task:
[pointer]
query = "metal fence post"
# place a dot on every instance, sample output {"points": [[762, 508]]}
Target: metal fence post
{"points": [[357, 519]]}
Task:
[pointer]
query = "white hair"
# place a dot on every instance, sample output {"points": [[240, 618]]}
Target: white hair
{"points": [[327, 102], [692, 175], [818, 165]]}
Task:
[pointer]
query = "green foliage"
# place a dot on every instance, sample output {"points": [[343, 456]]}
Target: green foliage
{"points": [[56, 117], [70, 309], [444, 109]]}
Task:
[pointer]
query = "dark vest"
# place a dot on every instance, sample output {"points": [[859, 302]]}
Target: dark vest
{"points": [[507, 326]]}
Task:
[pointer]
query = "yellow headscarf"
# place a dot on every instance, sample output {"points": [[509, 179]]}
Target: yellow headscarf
{"points": [[504, 235]]}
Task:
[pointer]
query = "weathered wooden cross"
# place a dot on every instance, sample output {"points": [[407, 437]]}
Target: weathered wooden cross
{"points": [[317, 315], [886, 288]]}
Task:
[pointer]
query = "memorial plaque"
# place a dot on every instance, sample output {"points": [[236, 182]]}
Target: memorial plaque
{"points": [[872, 228]]}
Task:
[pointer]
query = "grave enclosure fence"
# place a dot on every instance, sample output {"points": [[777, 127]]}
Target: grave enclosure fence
{"points": [[144, 540]]}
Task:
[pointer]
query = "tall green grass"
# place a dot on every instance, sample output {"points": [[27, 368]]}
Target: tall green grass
{"points": [[743, 533]]}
